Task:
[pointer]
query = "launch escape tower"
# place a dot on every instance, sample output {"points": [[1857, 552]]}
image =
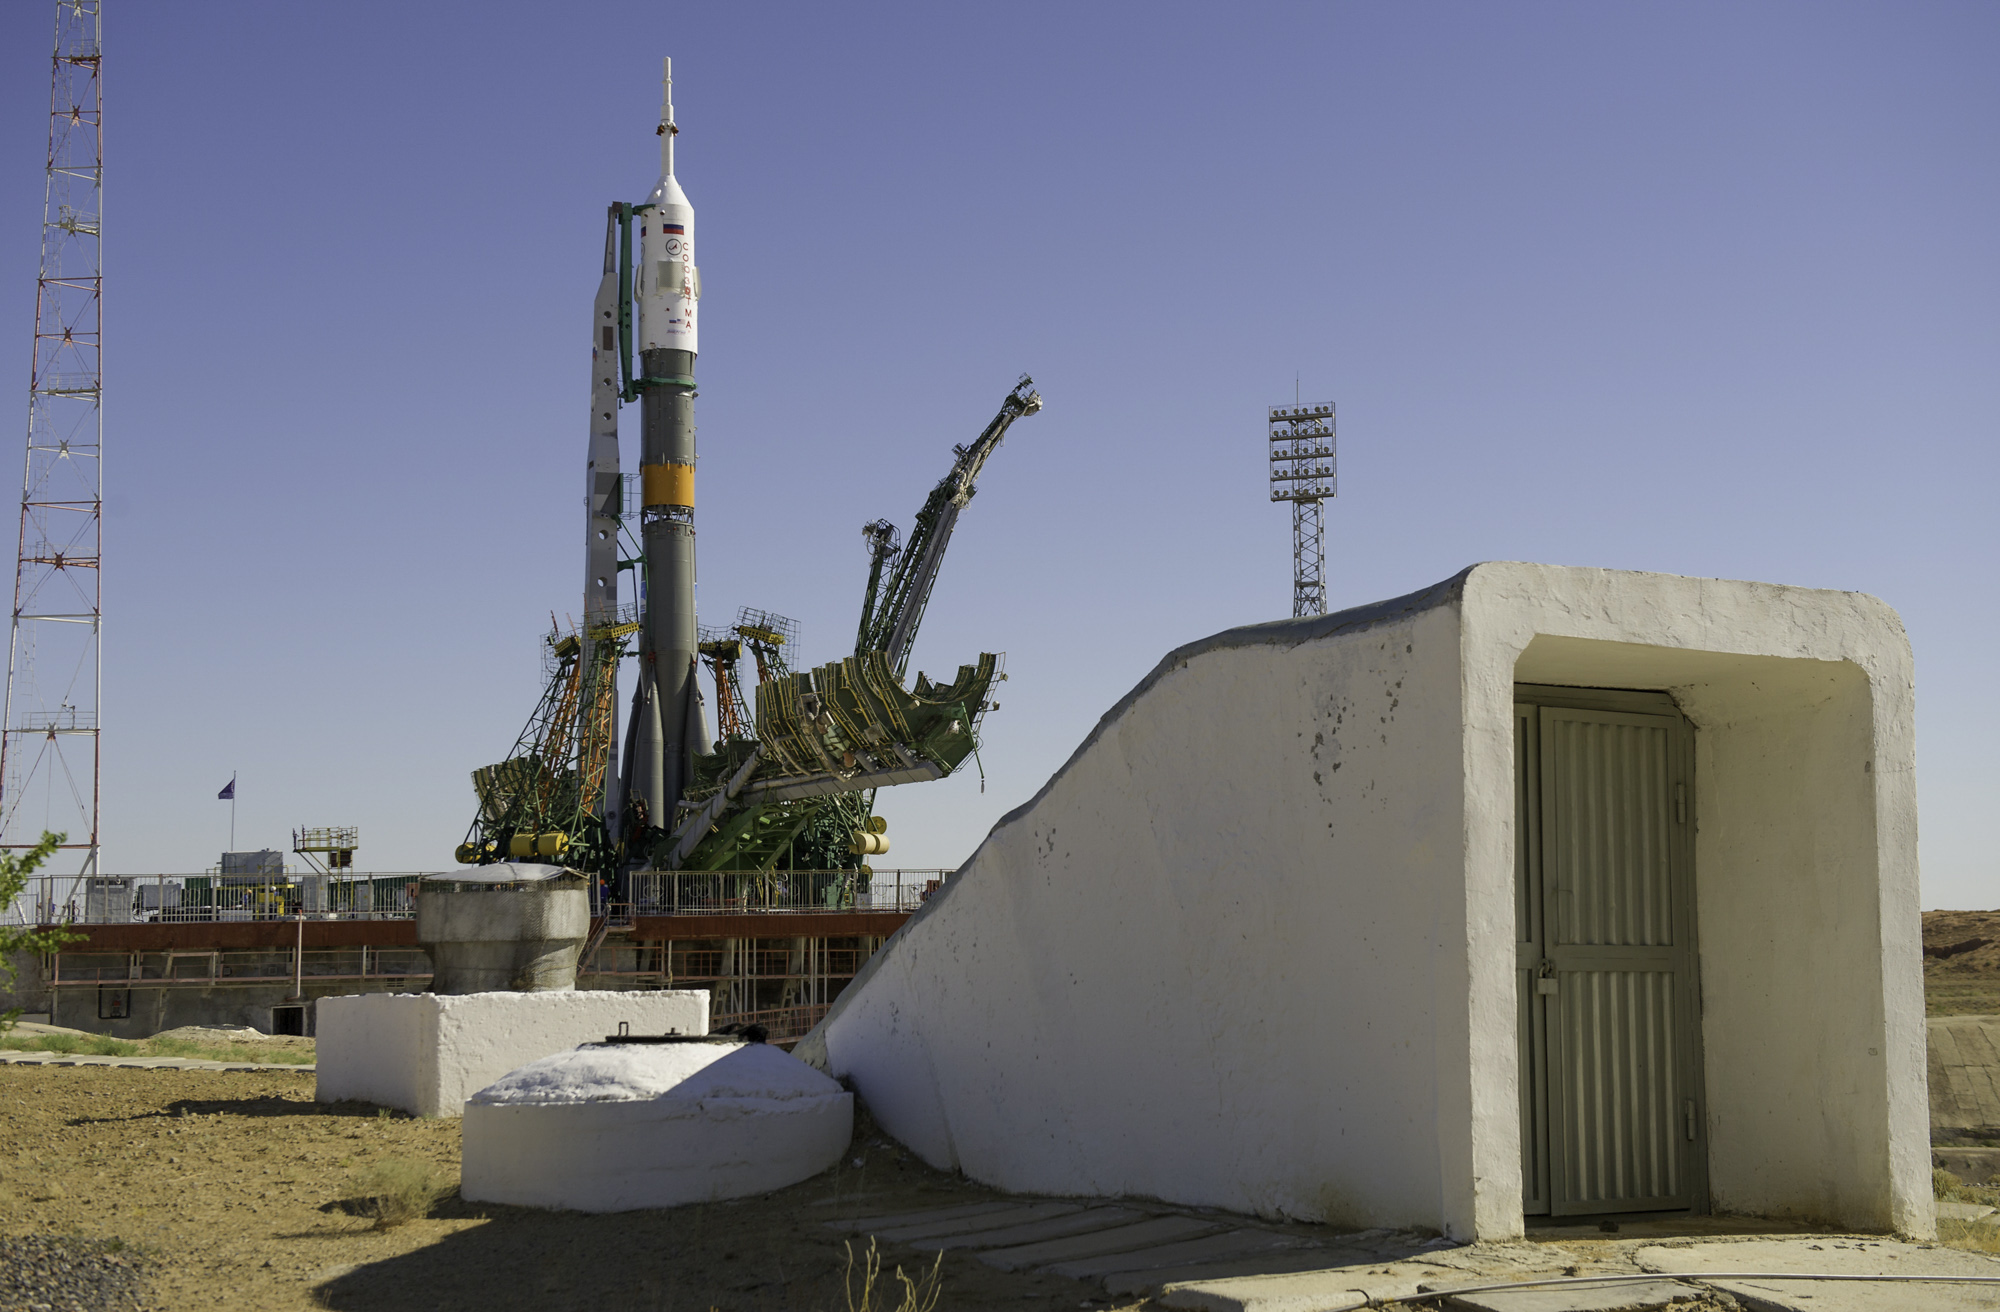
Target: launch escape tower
{"points": [[787, 783], [49, 747], [1303, 472]]}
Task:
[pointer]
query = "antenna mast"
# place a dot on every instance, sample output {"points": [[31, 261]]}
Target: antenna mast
{"points": [[49, 750], [1303, 471]]}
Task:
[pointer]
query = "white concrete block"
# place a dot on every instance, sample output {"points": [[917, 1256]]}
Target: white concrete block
{"points": [[426, 1053], [621, 1127]]}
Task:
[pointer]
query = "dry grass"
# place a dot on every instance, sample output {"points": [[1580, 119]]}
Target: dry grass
{"points": [[918, 1295], [1974, 1236], [1982, 1236], [397, 1190], [1960, 993], [97, 1045]]}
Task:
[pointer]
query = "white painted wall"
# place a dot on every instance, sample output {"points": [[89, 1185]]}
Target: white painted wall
{"points": [[1253, 946], [427, 1053], [1203, 964]]}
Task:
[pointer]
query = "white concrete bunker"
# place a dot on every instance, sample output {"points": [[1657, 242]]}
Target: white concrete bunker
{"points": [[1544, 890], [657, 1122], [426, 1053]]}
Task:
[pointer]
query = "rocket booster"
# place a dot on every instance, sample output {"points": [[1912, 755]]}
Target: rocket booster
{"points": [[668, 729]]}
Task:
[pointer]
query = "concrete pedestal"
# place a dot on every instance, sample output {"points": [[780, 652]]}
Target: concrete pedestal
{"points": [[426, 1053], [619, 1127], [503, 927]]}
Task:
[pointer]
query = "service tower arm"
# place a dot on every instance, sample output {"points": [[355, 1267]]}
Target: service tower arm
{"points": [[895, 605]]}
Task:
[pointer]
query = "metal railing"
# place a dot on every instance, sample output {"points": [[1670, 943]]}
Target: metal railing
{"points": [[782, 1025], [733, 892], [193, 899], [187, 899], [214, 968]]}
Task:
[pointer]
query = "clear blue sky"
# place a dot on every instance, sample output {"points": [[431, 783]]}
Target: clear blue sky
{"points": [[1702, 288]]}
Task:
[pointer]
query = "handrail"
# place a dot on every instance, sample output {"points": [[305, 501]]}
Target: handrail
{"points": [[51, 900]]}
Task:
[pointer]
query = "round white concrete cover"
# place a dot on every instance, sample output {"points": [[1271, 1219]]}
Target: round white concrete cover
{"points": [[616, 1127], [682, 1072]]}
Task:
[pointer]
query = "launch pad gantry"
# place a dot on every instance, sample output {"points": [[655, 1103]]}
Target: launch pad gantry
{"points": [[789, 780]]}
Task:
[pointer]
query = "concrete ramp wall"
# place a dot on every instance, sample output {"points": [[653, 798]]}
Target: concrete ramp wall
{"points": [[1220, 959], [1964, 1059]]}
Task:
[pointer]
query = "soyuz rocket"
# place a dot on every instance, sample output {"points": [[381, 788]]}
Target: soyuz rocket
{"points": [[666, 727]]}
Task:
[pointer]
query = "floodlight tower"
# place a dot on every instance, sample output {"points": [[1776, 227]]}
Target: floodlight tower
{"points": [[1303, 472], [49, 729]]}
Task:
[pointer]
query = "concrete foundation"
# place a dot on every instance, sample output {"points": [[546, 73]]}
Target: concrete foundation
{"points": [[1254, 946], [620, 1127], [134, 1010], [426, 1054]]}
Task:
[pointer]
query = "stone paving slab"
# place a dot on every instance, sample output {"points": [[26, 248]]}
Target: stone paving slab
{"points": [[1211, 1263], [146, 1063], [1339, 1289], [1083, 1222], [1498, 1260], [1632, 1296], [1281, 1262], [1836, 1256], [919, 1234], [1230, 1243], [896, 1220], [1120, 1239]]}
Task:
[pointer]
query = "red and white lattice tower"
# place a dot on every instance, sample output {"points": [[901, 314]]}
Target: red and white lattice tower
{"points": [[49, 749]]}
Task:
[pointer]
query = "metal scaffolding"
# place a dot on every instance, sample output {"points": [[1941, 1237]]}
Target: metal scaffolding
{"points": [[49, 746], [1303, 472]]}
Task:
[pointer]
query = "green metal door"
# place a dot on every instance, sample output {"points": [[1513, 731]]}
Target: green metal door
{"points": [[1609, 1025], [1528, 959]]}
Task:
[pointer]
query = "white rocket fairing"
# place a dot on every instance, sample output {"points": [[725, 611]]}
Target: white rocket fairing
{"points": [[669, 282]]}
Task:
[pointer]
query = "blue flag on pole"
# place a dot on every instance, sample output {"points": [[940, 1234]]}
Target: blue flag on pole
{"points": [[228, 793]]}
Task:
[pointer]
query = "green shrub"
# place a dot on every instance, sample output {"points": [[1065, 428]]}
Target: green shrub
{"points": [[15, 870]]}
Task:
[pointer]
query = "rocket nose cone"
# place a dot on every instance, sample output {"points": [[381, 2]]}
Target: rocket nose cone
{"points": [[667, 192]]}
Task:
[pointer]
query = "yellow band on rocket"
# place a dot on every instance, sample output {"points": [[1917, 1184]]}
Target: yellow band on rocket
{"points": [[667, 485]]}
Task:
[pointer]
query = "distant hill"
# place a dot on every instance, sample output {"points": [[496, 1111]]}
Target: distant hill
{"points": [[1962, 963]]}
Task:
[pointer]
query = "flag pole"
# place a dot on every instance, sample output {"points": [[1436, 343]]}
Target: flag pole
{"points": [[232, 810]]}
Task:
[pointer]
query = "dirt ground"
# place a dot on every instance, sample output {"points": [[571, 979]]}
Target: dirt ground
{"points": [[233, 1189], [1962, 963]]}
